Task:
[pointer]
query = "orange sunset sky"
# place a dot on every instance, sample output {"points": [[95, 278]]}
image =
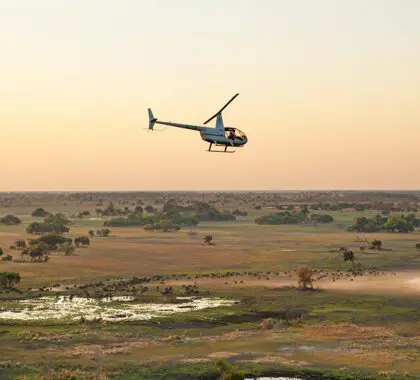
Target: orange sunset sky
{"points": [[329, 93]]}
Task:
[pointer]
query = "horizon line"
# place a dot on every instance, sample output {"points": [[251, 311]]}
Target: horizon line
{"points": [[211, 190]]}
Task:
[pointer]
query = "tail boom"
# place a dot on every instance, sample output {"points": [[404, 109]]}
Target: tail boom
{"points": [[152, 119]]}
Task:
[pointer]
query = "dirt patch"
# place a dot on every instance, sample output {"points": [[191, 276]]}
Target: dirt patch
{"points": [[348, 331], [277, 360], [195, 360], [220, 355]]}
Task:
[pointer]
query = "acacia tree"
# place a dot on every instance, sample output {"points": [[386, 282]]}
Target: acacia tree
{"points": [[9, 279]]}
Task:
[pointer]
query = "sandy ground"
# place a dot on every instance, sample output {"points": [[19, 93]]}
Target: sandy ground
{"points": [[393, 283]]}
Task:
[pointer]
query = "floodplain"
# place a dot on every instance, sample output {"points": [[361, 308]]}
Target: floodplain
{"points": [[234, 298]]}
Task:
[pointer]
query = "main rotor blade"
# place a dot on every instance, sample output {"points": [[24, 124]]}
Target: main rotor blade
{"points": [[230, 101]]}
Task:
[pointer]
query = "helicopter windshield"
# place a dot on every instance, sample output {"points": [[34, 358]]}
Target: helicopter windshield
{"points": [[234, 133]]}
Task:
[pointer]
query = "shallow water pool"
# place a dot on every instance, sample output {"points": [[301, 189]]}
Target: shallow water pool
{"points": [[107, 309]]}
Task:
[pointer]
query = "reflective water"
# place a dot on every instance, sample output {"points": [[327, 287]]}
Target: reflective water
{"points": [[107, 309]]}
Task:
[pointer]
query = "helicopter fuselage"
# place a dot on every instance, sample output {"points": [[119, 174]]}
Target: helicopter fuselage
{"points": [[219, 135]]}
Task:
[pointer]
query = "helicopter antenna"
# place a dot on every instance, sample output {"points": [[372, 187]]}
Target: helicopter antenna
{"points": [[220, 111]]}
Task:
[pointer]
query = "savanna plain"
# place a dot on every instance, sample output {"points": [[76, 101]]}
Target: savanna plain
{"points": [[210, 285]]}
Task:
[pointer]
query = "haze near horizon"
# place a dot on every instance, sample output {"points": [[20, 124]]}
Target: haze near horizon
{"points": [[328, 94]]}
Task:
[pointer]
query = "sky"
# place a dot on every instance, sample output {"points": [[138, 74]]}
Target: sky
{"points": [[329, 94]]}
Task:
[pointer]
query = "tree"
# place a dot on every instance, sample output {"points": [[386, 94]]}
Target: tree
{"points": [[348, 255], [20, 244], [110, 208], [104, 232], [37, 253], [150, 209], [9, 279], [10, 220], [417, 246], [82, 240], [1, 252], [53, 240], [138, 210], [91, 233], [376, 244], [69, 250], [305, 278], [399, 224], [208, 239], [40, 213]]}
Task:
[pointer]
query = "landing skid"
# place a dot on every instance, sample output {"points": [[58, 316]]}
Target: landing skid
{"points": [[220, 151]]}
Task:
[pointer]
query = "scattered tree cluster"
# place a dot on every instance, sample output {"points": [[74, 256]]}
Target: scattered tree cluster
{"points": [[171, 219], [206, 212], [83, 214], [36, 253], [111, 210], [403, 223], [293, 217], [57, 224]]}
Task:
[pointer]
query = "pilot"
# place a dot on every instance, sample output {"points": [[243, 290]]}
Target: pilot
{"points": [[232, 135]]}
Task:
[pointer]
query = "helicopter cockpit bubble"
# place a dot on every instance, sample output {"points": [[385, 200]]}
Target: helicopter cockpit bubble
{"points": [[234, 133]]}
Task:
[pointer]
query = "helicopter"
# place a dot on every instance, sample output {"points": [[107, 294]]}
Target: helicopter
{"points": [[218, 136]]}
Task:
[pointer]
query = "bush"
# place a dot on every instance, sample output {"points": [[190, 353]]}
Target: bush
{"points": [[325, 218], [208, 239], [418, 245], [7, 258], [348, 255], [10, 220], [82, 240], [305, 277], [104, 232], [267, 324], [376, 244]]}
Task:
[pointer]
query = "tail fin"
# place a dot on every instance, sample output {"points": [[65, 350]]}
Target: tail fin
{"points": [[152, 119]]}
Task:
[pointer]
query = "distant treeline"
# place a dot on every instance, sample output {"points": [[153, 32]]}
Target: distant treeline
{"points": [[172, 217], [287, 217]]}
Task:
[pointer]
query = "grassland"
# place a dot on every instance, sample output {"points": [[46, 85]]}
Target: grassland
{"points": [[348, 327]]}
